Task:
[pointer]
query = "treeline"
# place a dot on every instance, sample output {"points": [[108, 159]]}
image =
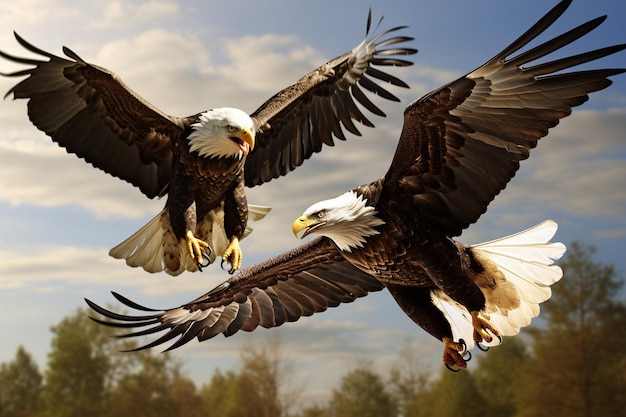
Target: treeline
{"points": [[572, 365]]}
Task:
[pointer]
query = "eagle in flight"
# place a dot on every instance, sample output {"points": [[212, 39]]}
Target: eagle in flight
{"points": [[202, 162], [459, 146]]}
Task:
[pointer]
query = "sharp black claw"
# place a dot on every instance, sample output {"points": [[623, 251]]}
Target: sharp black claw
{"points": [[231, 270], [452, 369], [206, 261], [462, 343], [466, 353], [486, 348]]}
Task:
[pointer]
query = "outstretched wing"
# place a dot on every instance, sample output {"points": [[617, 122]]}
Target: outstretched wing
{"points": [[300, 119], [303, 281], [90, 112], [462, 143]]}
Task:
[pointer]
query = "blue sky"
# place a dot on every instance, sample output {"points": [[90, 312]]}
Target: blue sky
{"points": [[59, 217]]}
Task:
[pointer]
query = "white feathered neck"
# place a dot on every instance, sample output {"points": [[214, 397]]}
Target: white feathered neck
{"points": [[348, 220], [210, 136]]}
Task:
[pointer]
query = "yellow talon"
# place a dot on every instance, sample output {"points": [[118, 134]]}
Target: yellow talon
{"points": [[483, 330], [233, 255], [453, 353], [196, 248]]}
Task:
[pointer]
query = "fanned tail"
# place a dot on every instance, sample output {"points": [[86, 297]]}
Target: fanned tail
{"points": [[256, 213], [525, 262], [155, 247]]}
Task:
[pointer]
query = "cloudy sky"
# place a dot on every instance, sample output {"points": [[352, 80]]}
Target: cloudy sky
{"points": [[59, 216]]}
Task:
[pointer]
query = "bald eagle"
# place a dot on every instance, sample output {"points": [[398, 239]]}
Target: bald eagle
{"points": [[459, 147], [202, 162]]}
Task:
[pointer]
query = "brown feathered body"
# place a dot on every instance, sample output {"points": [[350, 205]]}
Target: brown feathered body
{"points": [[204, 193]]}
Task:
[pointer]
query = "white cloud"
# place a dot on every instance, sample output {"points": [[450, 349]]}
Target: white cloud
{"points": [[433, 77], [34, 12], [46, 176], [52, 268], [113, 14], [579, 168], [267, 63]]}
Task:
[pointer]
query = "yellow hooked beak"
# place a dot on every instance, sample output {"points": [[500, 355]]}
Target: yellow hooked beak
{"points": [[304, 223], [245, 139]]}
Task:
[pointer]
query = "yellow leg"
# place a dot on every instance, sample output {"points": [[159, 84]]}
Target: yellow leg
{"points": [[483, 330], [453, 353], [196, 247], [233, 255]]}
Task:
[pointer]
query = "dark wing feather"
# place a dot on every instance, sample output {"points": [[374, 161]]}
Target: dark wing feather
{"points": [[297, 121], [298, 283], [462, 143], [91, 113]]}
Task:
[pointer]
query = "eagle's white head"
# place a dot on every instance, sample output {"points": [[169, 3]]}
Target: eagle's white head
{"points": [[222, 133], [346, 219]]}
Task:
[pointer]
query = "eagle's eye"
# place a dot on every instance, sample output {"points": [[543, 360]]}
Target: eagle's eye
{"points": [[231, 128], [320, 214]]}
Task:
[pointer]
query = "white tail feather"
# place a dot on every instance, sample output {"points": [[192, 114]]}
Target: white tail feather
{"points": [[256, 213], [526, 261], [145, 247]]}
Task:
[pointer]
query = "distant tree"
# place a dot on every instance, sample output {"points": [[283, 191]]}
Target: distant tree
{"points": [[362, 393], [87, 375], [78, 367], [20, 385], [223, 395], [499, 376], [261, 388], [408, 376], [269, 372], [183, 396], [578, 368], [452, 395], [156, 388], [315, 410]]}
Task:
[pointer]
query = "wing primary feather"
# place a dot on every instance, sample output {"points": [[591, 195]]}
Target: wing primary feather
{"points": [[174, 332], [556, 43], [378, 90], [538, 28], [386, 32], [383, 76], [368, 25], [68, 52], [391, 62], [19, 60], [564, 63], [188, 335], [131, 303], [148, 331], [396, 51], [345, 114], [117, 316], [33, 48], [125, 325], [366, 102]]}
